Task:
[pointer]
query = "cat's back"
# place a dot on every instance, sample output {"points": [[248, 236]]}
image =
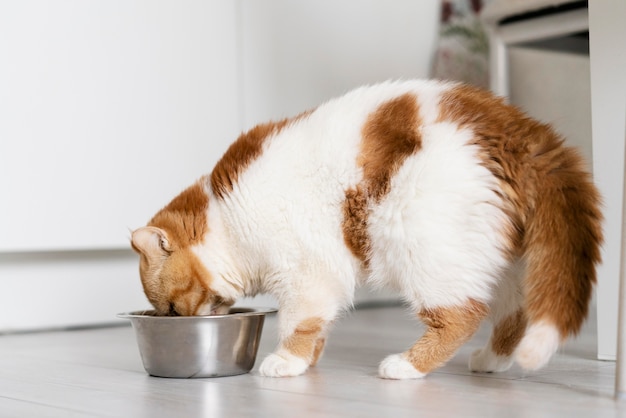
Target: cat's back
{"points": [[329, 142], [443, 133], [394, 168]]}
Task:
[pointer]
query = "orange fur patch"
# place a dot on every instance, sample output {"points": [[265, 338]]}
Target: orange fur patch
{"points": [[390, 134], [548, 196], [182, 285], [448, 329], [508, 333], [303, 342], [242, 152], [354, 224], [317, 351], [184, 218], [189, 281]]}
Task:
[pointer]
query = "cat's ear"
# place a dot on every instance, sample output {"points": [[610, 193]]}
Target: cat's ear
{"points": [[151, 241]]}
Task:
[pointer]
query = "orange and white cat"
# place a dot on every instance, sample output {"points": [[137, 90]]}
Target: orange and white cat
{"points": [[461, 203]]}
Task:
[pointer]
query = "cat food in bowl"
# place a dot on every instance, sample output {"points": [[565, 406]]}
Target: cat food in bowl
{"points": [[198, 346]]}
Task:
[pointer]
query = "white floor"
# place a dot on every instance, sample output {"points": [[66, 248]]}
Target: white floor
{"points": [[98, 372]]}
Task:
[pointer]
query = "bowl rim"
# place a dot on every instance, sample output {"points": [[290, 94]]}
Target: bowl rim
{"points": [[240, 311]]}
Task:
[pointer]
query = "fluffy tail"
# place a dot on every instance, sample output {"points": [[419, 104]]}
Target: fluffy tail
{"points": [[561, 247]]}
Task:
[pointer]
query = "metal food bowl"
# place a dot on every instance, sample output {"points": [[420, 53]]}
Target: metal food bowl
{"points": [[198, 346]]}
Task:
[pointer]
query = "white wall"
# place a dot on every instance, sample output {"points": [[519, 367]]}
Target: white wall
{"points": [[109, 108], [299, 53]]}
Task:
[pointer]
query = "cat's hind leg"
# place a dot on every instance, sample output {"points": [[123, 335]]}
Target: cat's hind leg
{"points": [[447, 329], [497, 355], [509, 325]]}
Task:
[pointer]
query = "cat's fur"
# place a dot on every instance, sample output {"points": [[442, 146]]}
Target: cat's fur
{"points": [[464, 205]]}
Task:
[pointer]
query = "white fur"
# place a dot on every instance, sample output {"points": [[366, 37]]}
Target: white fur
{"points": [[486, 361], [436, 236], [282, 364], [540, 342], [508, 296], [396, 366]]}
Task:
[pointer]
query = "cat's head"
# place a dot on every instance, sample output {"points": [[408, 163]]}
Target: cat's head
{"points": [[173, 277]]}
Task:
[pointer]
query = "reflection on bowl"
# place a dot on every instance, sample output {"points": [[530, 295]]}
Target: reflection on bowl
{"points": [[198, 346]]}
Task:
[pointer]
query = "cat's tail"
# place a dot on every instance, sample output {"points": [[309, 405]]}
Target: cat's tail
{"points": [[561, 247]]}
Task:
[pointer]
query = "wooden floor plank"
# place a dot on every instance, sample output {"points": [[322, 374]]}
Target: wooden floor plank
{"points": [[99, 373]]}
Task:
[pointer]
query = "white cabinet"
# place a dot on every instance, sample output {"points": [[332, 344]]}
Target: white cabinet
{"points": [[108, 109]]}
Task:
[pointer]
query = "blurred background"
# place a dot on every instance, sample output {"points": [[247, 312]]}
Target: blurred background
{"points": [[109, 108]]}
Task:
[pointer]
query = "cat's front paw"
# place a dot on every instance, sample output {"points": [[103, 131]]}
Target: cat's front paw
{"points": [[397, 367], [486, 361], [282, 365]]}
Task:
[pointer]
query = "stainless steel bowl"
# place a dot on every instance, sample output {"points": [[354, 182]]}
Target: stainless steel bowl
{"points": [[198, 346]]}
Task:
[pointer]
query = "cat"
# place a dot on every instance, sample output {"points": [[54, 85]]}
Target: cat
{"points": [[464, 205]]}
